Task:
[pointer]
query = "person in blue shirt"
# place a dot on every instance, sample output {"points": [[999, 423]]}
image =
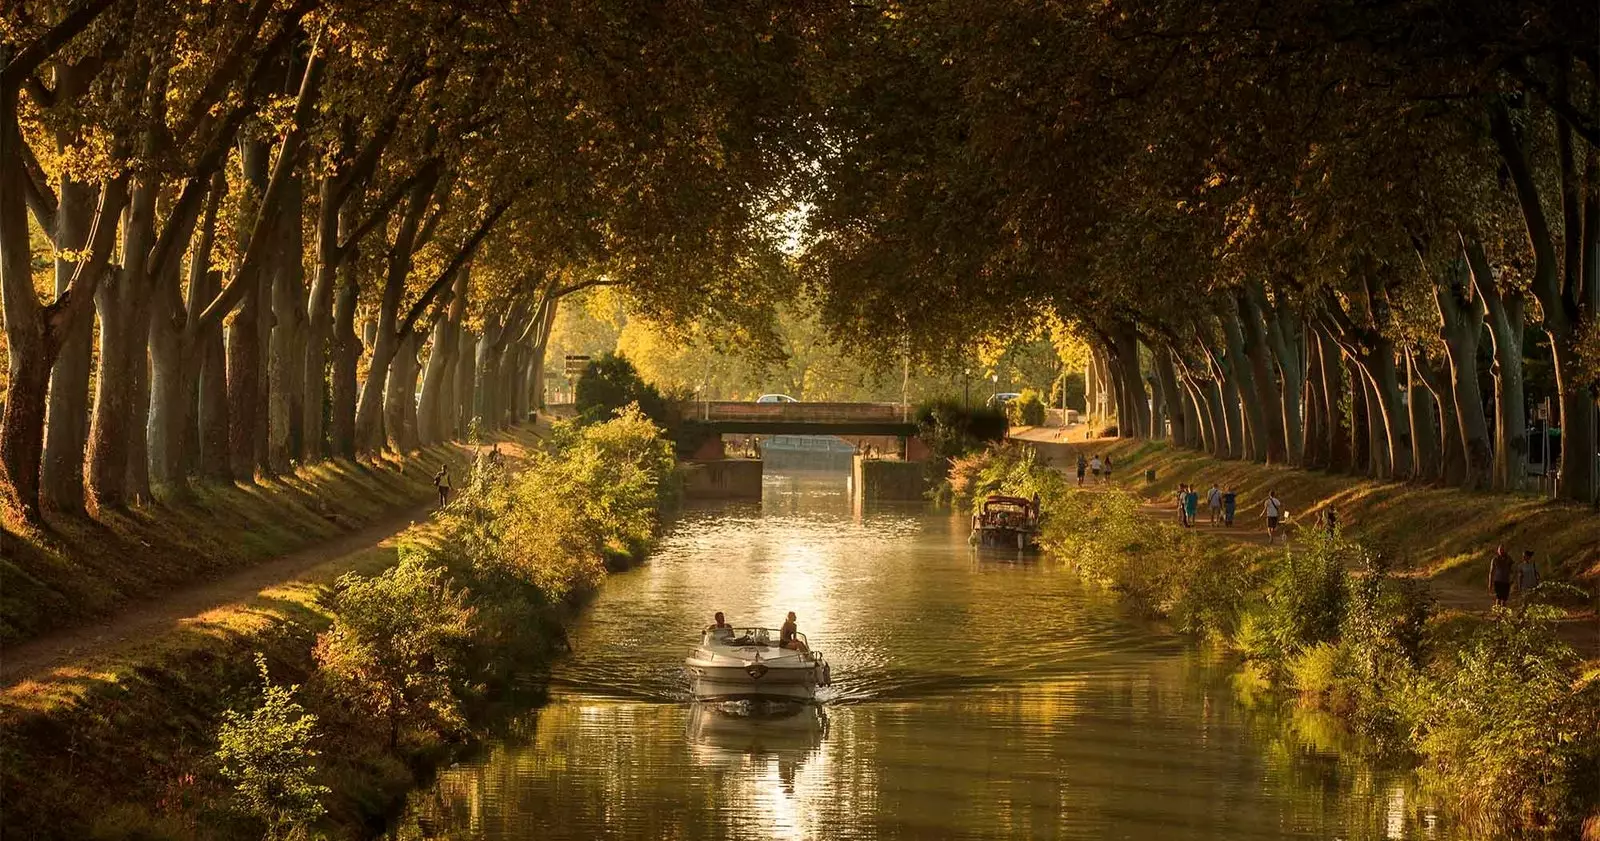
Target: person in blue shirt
{"points": [[1230, 502]]}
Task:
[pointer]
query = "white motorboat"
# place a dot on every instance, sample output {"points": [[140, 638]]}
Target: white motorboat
{"points": [[739, 664]]}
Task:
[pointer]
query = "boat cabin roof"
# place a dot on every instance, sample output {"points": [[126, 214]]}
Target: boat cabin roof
{"points": [[1007, 502]]}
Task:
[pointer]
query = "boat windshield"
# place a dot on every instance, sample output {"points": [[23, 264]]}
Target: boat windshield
{"points": [[745, 637]]}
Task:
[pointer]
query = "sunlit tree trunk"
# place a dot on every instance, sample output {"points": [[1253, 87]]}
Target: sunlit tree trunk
{"points": [[1315, 437], [1506, 321]]}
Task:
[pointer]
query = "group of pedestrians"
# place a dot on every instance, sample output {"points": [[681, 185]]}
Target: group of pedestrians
{"points": [[1222, 506], [1506, 575], [1099, 468]]}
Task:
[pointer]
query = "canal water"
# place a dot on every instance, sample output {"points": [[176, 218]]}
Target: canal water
{"points": [[974, 696]]}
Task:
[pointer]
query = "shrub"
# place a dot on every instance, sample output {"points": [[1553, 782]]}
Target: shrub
{"points": [[1319, 673], [952, 430], [595, 494], [395, 644], [1508, 732], [1026, 410], [1308, 589], [608, 383], [266, 753]]}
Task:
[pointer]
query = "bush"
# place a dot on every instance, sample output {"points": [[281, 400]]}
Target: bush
{"points": [[1026, 410], [610, 382], [952, 430], [395, 644], [595, 495], [1307, 590], [267, 755], [1507, 732]]}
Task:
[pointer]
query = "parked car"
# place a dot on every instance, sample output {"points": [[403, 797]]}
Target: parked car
{"points": [[1002, 398], [776, 398]]}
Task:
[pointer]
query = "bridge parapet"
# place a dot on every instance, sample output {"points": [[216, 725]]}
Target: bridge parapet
{"points": [[729, 410]]}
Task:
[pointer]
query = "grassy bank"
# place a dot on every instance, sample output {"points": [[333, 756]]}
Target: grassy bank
{"points": [[1447, 532], [1501, 716], [80, 569], [373, 674]]}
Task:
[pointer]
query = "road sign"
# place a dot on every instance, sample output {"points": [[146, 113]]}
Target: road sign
{"points": [[576, 364]]}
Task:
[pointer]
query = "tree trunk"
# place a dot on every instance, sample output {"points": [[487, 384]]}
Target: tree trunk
{"points": [[1249, 393], [244, 329], [399, 402], [123, 308], [369, 414], [1452, 451], [466, 384], [286, 360], [1360, 420], [67, 433], [333, 222], [1335, 389], [1286, 338], [1425, 453], [346, 358], [1386, 386], [1461, 317], [436, 412], [212, 408], [1175, 399], [1506, 321], [1271, 440], [1315, 437]]}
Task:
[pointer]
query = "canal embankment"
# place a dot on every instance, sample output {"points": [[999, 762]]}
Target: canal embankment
{"points": [[1499, 712], [318, 702]]}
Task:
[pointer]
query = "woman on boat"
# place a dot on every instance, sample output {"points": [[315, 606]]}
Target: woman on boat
{"points": [[786, 635]]}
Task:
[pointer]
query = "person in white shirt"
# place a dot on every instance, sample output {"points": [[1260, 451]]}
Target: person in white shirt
{"points": [[1272, 510], [1214, 502], [1094, 467]]}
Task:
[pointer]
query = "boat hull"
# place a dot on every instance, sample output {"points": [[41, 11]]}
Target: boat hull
{"points": [[1004, 538], [752, 682]]}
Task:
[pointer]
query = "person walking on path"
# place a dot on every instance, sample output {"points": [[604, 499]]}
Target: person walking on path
{"points": [[1272, 511], [1214, 503], [1108, 469], [1527, 574], [1230, 503], [441, 481], [1183, 508], [1500, 569], [1330, 520], [1191, 504], [1083, 465], [1094, 466]]}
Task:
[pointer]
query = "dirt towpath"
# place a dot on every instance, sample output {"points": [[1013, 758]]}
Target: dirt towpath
{"points": [[144, 620], [147, 619]]}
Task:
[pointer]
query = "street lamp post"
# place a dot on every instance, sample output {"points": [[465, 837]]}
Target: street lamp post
{"points": [[966, 378]]}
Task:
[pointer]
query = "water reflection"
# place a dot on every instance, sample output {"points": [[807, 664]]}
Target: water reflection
{"points": [[973, 698]]}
